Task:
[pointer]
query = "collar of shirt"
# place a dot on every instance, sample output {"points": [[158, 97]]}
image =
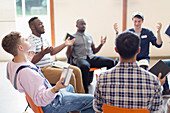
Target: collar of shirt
{"points": [[81, 34], [128, 64], [35, 36]]}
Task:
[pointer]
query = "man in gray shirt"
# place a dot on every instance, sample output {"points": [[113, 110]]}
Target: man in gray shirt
{"points": [[83, 50]]}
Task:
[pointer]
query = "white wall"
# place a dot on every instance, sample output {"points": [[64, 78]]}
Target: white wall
{"points": [[7, 23], [154, 11], [100, 16]]}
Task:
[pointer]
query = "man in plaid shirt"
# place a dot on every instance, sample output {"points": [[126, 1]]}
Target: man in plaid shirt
{"points": [[127, 85]]}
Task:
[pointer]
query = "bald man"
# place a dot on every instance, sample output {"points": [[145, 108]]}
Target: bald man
{"points": [[83, 50]]}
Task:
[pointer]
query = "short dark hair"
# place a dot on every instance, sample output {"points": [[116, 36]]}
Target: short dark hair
{"points": [[78, 21], [138, 15], [10, 43], [127, 44], [31, 20]]}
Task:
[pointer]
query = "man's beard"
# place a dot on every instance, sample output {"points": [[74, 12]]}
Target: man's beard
{"points": [[41, 32], [82, 30]]}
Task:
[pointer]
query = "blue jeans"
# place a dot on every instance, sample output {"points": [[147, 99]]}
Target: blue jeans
{"points": [[166, 85], [70, 101]]}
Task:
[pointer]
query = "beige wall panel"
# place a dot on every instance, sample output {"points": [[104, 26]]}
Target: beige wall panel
{"points": [[98, 14], [7, 9], [7, 23]]}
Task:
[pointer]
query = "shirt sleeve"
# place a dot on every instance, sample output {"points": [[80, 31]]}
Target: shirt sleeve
{"points": [[92, 40], [154, 39], [97, 102], [157, 103], [33, 84]]}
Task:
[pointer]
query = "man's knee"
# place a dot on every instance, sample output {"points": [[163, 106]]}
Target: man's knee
{"points": [[70, 88], [84, 67], [75, 69], [73, 81], [73, 77], [110, 63]]}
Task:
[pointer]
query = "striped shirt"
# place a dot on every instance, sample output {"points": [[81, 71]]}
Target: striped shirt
{"points": [[128, 86], [36, 44]]}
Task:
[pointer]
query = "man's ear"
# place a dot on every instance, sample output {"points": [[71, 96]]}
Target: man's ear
{"points": [[32, 26], [116, 50], [138, 50], [20, 47]]}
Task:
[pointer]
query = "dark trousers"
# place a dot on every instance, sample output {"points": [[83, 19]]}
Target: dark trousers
{"points": [[95, 62]]}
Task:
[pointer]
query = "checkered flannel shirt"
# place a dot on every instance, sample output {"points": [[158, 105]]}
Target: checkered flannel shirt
{"points": [[128, 86]]}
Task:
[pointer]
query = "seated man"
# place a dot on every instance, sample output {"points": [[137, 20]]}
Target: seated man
{"points": [[146, 36], [56, 99], [127, 85], [83, 50], [44, 52]]}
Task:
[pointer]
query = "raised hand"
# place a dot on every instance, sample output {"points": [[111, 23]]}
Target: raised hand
{"points": [[69, 42], [161, 80], [159, 26], [103, 40], [46, 50], [115, 26]]}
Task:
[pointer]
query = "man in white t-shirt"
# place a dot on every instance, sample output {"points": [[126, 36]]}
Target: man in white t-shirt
{"points": [[43, 55]]}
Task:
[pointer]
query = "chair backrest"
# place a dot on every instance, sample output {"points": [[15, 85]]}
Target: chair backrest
{"points": [[36, 109], [113, 109]]}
